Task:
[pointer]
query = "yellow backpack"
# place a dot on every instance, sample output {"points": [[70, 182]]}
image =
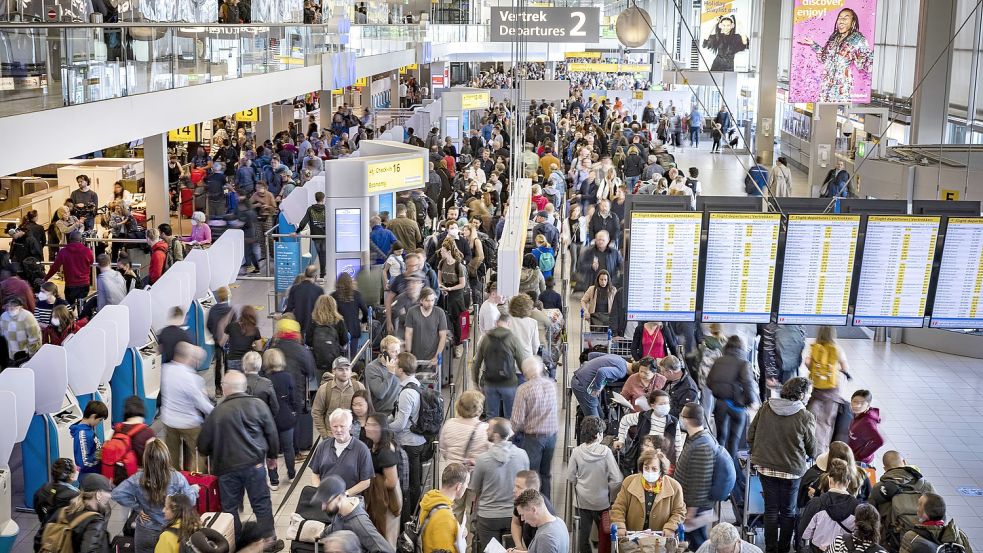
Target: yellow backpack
{"points": [[824, 360]]}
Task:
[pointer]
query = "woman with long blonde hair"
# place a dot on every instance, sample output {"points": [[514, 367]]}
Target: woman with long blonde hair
{"points": [[327, 335], [146, 492]]}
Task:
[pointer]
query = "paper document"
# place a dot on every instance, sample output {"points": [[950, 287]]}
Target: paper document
{"points": [[620, 400], [495, 546], [462, 536]]}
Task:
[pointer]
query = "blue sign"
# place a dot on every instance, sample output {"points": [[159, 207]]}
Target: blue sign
{"points": [[387, 203], [286, 255], [348, 230], [351, 266], [971, 492]]}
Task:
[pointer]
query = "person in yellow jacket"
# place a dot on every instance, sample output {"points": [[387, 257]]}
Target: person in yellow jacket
{"points": [[182, 521], [439, 529]]}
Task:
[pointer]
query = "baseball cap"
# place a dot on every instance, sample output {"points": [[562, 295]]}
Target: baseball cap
{"points": [[93, 482], [542, 214], [329, 488], [341, 362]]}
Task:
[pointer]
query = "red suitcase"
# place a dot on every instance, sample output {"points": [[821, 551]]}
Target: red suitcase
{"points": [[197, 175], [187, 202], [209, 499]]}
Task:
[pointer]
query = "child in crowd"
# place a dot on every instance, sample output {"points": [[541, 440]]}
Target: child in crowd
{"points": [[88, 448], [865, 436]]}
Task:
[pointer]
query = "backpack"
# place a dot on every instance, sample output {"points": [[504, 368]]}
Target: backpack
{"points": [[499, 361], [546, 262], [724, 473], [903, 513], [57, 534], [490, 248], [430, 416], [168, 259], [326, 345], [119, 460], [822, 366], [411, 540], [945, 547]]}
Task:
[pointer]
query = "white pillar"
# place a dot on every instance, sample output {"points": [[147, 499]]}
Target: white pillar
{"points": [[930, 103], [771, 23], [155, 178]]}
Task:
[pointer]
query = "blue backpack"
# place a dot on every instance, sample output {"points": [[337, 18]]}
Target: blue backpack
{"points": [[724, 474]]}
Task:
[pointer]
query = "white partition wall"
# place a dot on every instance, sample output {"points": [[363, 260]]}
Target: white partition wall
{"points": [[203, 271], [19, 382], [8, 432], [138, 302], [86, 360], [115, 319], [174, 289], [50, 368], [226, 254]]}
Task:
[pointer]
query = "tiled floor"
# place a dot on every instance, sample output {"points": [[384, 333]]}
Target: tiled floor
{"points": [[929, 401]]}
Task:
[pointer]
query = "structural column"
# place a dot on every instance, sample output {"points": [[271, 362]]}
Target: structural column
{"points": [[155, 178], [265, 125], [930, 103], [821, 156], [771, 24]]}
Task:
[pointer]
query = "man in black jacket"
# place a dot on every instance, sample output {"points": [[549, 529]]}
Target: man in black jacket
{"points": [[681, 388], [302, 297], [239, 436], [603, 219], [317, 218], [219, 317]]}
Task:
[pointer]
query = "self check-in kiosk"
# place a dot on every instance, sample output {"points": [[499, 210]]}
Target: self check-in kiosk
{"points": [[17, 409], [203, 301], [138, 373], [55, 410], [87, 358]]}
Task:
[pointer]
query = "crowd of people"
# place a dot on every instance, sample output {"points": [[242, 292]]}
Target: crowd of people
{"points": [[705, 408]]}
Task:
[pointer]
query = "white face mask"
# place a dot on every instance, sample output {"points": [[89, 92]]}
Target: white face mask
{"points": [[660, 410], [55, 323], [194, 222], [454, 232], [42, 296], [650, 477]]}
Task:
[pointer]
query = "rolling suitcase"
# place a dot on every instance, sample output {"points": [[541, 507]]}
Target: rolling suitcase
{"points": [[209, 499], [224, 524], [304, 432]]}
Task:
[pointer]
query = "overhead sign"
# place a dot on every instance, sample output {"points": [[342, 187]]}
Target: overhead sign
{"points": [[546, 24], [393, 176], [412, 67], [475, 100], [959, 292], [251, 114], [187, 133], [949, 194], [664, 261], [742, 250], [582, 55], [608, 68], [361, 82]]}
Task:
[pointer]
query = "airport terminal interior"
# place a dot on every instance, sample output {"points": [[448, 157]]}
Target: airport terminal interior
{"points": [[487, 276]]}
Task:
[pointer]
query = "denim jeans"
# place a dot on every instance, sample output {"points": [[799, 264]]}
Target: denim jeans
{"points": [[287, 445], [694, 137], [496, 397], [731, 424], [144, 539], [587, 403], [414, 455], [539, 448], [251, 481], [630, 183], [780, 496], [317, 249]]}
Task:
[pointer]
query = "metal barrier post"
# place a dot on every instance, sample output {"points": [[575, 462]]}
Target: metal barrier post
{"points": [[574, 545], [436, 463]]}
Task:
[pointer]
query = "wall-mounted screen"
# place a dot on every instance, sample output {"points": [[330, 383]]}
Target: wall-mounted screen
{"points": [[818, 269], [959, 289], [742, 249], [896, 270], [387, 203], [664, 263], [347, 230], [351, 266]]}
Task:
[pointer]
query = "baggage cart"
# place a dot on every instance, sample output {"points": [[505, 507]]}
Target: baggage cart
{"points": [[747, 498]]}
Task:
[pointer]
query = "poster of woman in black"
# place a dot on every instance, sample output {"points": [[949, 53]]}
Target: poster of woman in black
{"points": [[725, 43]]}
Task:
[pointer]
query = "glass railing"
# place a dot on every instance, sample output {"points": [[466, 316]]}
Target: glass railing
{"points": [[46, 66], [443, 34]]}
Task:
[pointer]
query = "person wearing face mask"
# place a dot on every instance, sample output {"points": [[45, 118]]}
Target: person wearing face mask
{"points": [[348, 514], [20, 329], [653, 420], [441, 530], [649, 499], [593, 470], [680, 385], [201, 234], [48, 300], [63, 326]]}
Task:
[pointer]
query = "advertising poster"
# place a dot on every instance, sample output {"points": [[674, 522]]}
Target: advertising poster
{"points": [[724, 29], [832, 51]]}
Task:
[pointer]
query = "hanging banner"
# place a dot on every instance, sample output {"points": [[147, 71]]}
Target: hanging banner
{"points": [[609, 67], [724, 29], [580, 24], [832, 51]]}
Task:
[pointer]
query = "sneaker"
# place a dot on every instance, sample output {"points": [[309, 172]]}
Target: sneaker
{"points": [[274, 547], [274, 486]]}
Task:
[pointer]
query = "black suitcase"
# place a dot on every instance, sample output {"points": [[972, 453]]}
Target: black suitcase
{"points": [[122, 544], [304, 432]]}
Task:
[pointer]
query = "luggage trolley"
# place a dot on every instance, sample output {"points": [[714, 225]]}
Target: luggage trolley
{"points": [[429, 375], [747, 498]]}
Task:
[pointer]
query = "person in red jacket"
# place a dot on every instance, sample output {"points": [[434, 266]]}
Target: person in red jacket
{"points": [[158, 255], [13, 286], [63, 326], [75, 261], [865, 437]]}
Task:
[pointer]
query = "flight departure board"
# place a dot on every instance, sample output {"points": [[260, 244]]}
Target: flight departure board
{"points": [[664, 262], [818, 269], [896, 270], [740, 267], [959, 290]]}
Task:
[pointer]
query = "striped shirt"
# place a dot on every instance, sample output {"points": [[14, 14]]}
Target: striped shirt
{"points": [[534, 411], [658, 429], [839, 545]]}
